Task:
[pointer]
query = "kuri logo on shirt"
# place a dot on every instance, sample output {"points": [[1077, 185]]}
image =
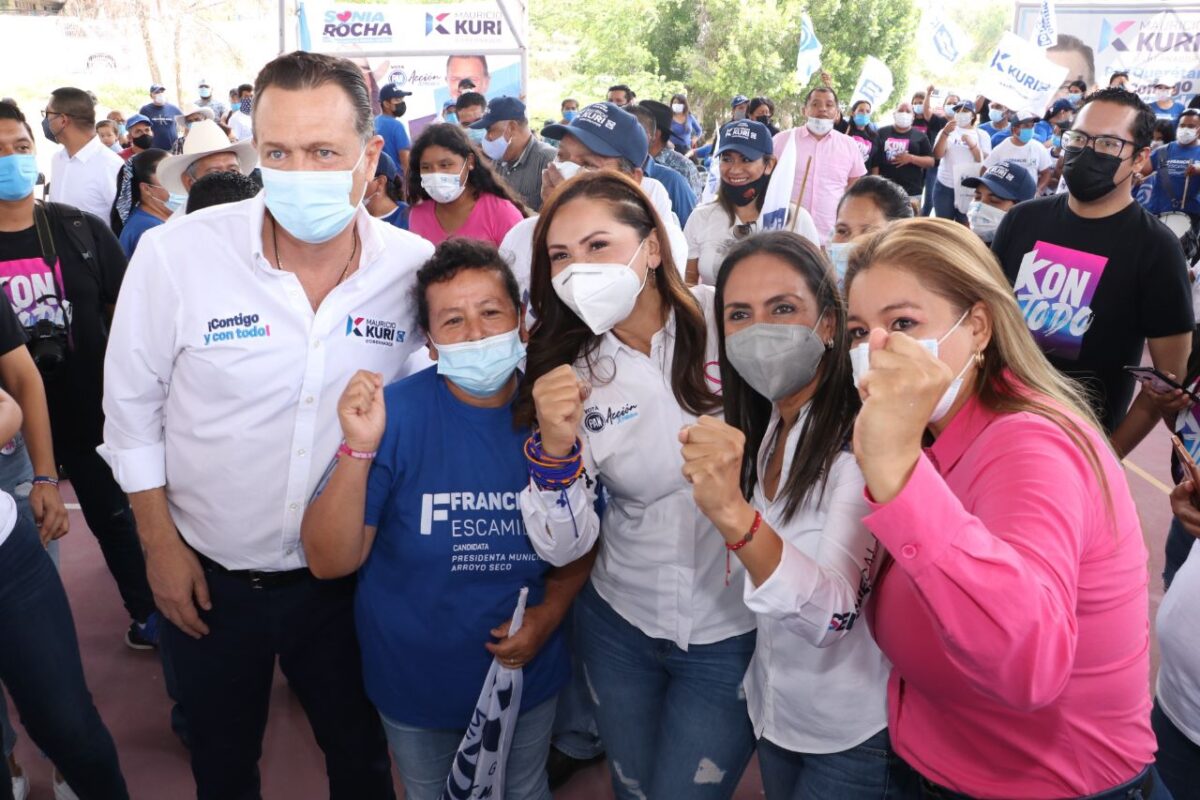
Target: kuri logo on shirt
{"points": [[239, 326], [1054, 288], [472, 514], [375, 331], [596, 420]]}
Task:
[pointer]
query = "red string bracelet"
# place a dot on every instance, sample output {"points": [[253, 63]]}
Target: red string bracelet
{"points": [[740, 543]]}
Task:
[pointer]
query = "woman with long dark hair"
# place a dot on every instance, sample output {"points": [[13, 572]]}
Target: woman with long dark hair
{"points": [[858, 127], [623, 356], [150, 204], [453, 191], [780, 484], [685, 129]]}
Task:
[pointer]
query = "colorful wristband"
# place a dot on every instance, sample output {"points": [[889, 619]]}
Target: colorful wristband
{"points": [[45, 479], [344, 450]]}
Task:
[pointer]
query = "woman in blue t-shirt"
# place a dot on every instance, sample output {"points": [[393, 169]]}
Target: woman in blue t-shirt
{"points": [[423, 501], [685, 130], [150, 203]]}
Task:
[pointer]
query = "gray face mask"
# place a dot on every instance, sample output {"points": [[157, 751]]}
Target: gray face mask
{"points": [[776, 360]]}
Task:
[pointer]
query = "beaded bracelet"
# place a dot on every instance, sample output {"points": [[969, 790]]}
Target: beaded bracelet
{"points": [[550, 472], [45, 480]]}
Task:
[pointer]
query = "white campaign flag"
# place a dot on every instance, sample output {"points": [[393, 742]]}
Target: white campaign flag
{"points": [[874, 83], [808, 59], [1045, 33], [1018, 75], [779, 189], [945, 42], [478, 768]]}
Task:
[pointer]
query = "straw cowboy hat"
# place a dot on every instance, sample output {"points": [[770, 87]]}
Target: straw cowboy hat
{"points": [[204, 139]]}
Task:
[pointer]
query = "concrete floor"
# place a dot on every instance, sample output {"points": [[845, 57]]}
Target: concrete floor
{"points": [[129, 692]]}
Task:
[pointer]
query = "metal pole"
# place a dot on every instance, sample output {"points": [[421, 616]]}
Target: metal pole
{"points": [[282, 26], [519, 38]]}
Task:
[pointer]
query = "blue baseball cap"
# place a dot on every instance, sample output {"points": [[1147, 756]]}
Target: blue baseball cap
{"points": [[392, 92], [965, 105], [155, 88], [751, 139], [738, 100], [135, 119], [1061, 105], [386, 167], [1007, 180], [502, 109], [607, 130]]}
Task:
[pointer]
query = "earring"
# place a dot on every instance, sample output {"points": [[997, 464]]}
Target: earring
{"points": [[979, 359]]}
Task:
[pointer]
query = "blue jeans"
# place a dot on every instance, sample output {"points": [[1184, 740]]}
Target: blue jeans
{"points": [[912, 787], [669, 719], [575, 731], [1179, 544], [40, 665], [860, 773], [1178, 757], [943, 203], [930, 182], [424, 756]]}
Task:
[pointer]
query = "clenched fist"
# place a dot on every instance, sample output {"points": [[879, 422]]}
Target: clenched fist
{"points": [[558, 398], [712, 463], [361, 412]]}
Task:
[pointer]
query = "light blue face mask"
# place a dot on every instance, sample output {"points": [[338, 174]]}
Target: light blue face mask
{"points": [[176, 202], [861, 120], [481, 368], [995, 114], [1025, 135], [476, 135], [918, 108], [452, 119], [18, 174], [312, 205]]}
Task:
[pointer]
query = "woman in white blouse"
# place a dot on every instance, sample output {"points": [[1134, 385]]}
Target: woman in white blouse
{"points": [[746, 156], [623, 356], [783, 489], [962, 148]]}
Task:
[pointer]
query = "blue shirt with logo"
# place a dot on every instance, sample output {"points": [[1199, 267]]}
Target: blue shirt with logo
{"points": [[1170, 165], [162, 123], [395, 138], [449, 559]]}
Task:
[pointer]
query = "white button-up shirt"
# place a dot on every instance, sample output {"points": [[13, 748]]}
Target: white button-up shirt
{"points": [[222, 383], [86, 180], [817, 682], [661, 563]]}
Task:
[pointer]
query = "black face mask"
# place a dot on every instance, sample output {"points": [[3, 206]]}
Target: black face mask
{"points": [[1089, 175], [764, 120], [49, 134], [399, 110], [144, 142], [746, 193]]}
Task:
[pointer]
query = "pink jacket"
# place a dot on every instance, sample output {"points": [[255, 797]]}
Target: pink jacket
{"points": [[1015, 613]]}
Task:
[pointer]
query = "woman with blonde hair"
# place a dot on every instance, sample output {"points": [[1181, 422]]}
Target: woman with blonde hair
{"points": [[1013, 605]]}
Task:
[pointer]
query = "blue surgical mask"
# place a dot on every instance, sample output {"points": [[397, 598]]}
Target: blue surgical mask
{"points": [[176, 202], [452, 119], [1056, 140], [570, 116], [839, 256], [995, 114], [205, 92], [312, 205], [862, 120], [121, 129], [476, 135], [481, 368], [918, 109], [18, 174], [1076, 98], [1025, 135]]}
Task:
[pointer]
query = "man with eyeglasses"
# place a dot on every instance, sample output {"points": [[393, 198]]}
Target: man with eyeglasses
{"points": [[84, 172], [1096, 275]]}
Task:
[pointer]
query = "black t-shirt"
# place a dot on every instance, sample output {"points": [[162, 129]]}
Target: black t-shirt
{"points": [[930, 128], [1093, 290], [12, 335], [889, 144], [75, 394]]}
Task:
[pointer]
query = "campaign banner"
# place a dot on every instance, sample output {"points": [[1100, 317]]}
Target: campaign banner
{"points": [[779, 189], [1019, 75], [433, 81], [808, 58], [333, 27], [1054, 287], [944, 42], [1045, 33], [1152, 43], [874, 83]]}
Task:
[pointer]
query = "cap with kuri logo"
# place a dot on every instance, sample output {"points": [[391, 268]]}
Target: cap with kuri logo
{"points": [[607, 130], [750, 139], [1008, 180]]}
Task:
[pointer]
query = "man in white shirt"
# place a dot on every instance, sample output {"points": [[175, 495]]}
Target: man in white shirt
{"points": [[1021, 147], [236, 333], [240, 120], [84, 172], [590, 143]]}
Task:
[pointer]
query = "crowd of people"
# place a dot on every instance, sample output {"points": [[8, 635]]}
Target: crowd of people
{"points": [[836, 483]]}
